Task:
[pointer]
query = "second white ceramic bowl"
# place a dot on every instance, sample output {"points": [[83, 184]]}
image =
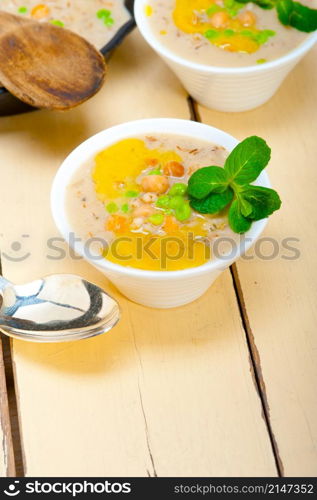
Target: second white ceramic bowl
{"points": [[162, 289], [225, 89]]}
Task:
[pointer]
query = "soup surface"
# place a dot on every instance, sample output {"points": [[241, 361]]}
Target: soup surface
{"points": [[96, 20], [129, 204], [222, 32]]}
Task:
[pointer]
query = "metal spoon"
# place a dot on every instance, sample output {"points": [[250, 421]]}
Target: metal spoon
{"points": [[47, 66], [57, 308]]}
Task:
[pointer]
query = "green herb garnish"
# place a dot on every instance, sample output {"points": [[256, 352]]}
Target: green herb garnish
{"points": [[213, 9], [211, 189], [211, 34], [22, 10], [263, 36], [106, 16], [125, 208], [156, 219], [260, 37], [232, 7], [261, 61], [297, 15], [264, 4], [57, 22], [291, 13], [112, 207], [131, 194], [155, 171]]}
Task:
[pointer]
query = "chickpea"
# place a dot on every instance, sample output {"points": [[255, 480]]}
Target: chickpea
{"points": [[219, 19], [136, 203], [143, 211], [149, 197], [247, 18], [155, 184], [174, 168]]}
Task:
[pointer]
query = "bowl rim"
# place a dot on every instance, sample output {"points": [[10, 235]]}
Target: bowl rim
{"points": [[87, 149], [154, 42]]}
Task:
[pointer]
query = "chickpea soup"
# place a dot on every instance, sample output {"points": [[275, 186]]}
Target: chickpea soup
{"points": [[130, 206], [96, 20], [222, 32]]}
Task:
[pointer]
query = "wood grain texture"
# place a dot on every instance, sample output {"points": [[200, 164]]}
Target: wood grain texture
{"points": [[280, 294], [7, 462], [46, 66], [164, 393]]}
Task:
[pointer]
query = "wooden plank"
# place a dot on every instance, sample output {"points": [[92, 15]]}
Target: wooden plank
{"points": [[279, 294], [7, 462], [166, 392]]}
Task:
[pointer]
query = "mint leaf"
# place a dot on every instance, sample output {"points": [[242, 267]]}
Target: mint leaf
{"points": [[297, 15], [265, 4], [264, 201], [284, 9], [291, 13], [245, 206], [247, 160], [207, 180], [213, 203], [211, 189], [237, 221]]}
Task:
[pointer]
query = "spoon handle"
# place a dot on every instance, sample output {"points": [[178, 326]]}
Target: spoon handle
{"points": [[3, 283]]}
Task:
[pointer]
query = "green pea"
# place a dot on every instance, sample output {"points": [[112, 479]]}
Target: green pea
{"points": [[112, 207], [163, 201], [211, 10], [56, 22], [108, 21], [103, 13], [131, 194], [183, 212], [179, 188], [228, 32], [22, 10], [210, 34], [177, 201], [125, 208], [156, 219], [155, 171]]}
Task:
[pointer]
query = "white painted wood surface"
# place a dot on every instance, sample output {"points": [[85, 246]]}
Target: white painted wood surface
{"points": [[280, 294], [167, 392]]}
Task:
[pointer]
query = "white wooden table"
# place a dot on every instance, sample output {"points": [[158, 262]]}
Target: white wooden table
{"points": [[225, 386]]}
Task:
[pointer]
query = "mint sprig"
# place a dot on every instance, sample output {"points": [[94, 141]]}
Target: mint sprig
{"points": [[265, 4], [297, 15], [208, 180], [213, 203], [290, 13], [211, 189]]}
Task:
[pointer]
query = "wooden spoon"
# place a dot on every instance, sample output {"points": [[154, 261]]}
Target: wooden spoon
{"points": [[47, 66]]}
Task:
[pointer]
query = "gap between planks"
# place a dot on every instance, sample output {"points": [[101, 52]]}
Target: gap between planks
{"points": [[9, 410], [254, 356], [14, 438]]}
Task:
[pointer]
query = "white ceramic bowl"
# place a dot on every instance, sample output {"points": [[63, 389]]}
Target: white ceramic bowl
{"points": [[225, 89], [162, 289]]}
